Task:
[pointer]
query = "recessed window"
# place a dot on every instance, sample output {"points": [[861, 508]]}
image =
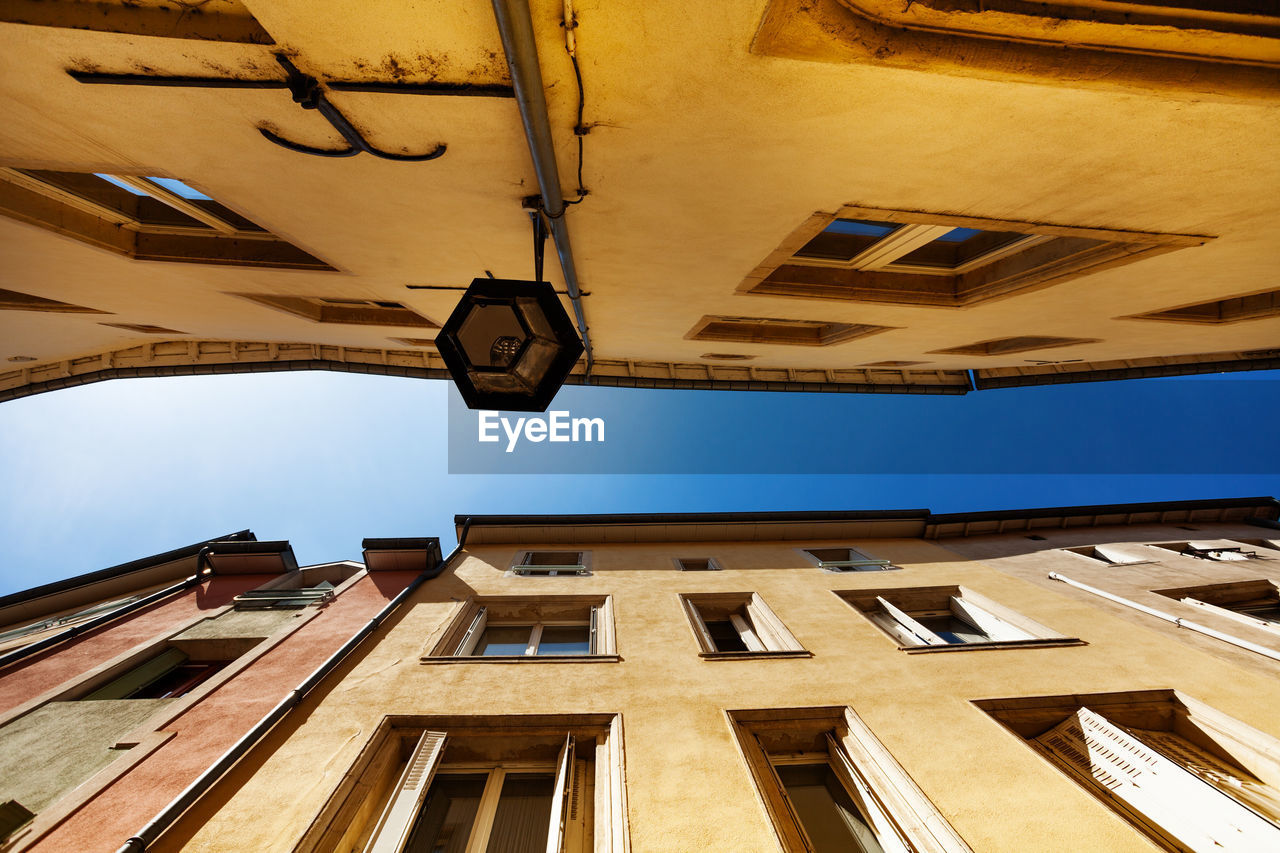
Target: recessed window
{"points": [[947, 617], [697, 564], [343, 311], [829, 786], [482, 784], [168, 675], [550, 564], [146, 219], [1254, 306], [1178, 770], [1007, 346], [25, 634], [143, 328], [507, 628], [912, 258], [1113, 555], [11, 300], [767, 330], [1255, 603], [737, 624], [1218, 551], [848, 560]]}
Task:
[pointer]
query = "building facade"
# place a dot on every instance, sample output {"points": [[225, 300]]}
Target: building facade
{"points": [[794, 681], [121, 687], [842, 195]]}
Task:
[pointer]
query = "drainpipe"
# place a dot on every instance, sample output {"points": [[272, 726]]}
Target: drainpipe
{"points": [[516, 28], [1180, 622], [89, 625], [146, 836]]}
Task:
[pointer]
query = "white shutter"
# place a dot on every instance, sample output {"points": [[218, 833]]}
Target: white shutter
{"points": [[885, 832], [1119, 556], [699, 626], [749, 638], [994, 627], [561, 798], [1169, 799], [1244, 618], [923, 634], [392, 830], [769, 627], [594, 646], [472, 637], [609, 817]]}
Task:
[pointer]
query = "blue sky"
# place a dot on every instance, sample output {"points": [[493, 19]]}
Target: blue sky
{"points": [[107, 473]]}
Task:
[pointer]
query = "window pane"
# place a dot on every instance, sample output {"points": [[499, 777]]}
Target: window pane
{"points": [[503, 640], [444, 824], [524, 814], [725, 636], [565, 640], [953, 630], [826, 810]]}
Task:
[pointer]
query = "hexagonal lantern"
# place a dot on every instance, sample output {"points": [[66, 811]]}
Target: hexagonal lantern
{"points": [[509, 345]]}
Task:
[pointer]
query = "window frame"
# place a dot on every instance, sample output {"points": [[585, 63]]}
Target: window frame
{"points": [[521, 568], [895, 808], [897, 613], [362, 799], [866, 563], [713, 565], [1227, 593], [760, 629], [463, 632]]}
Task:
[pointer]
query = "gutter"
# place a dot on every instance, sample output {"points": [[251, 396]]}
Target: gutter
{"points": [[516, 28], [202, 572], [1176, 620], [143, 838]]}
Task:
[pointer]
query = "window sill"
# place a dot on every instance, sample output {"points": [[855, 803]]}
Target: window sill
{"points": [[1051, 642], [521, 659], [754, 655]]}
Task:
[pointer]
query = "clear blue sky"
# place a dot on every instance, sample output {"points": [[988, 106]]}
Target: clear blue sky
{"points": [[107, 473]]}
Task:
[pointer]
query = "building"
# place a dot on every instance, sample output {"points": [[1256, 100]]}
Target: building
{"points": [[782, 681], [841, 195], [120, 687]]}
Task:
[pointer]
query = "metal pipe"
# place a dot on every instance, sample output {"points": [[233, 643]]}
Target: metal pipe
{"points": [[89, 625], [516, 28], [1177, 620], [144, 837]]}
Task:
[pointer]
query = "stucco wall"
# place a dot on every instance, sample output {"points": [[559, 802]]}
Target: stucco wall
{"points": [[687, 786]]}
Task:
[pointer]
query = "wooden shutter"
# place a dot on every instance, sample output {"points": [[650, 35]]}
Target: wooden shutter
{"points": [[1172, 802], [392, 830], [562, 798], [769, 627], [920, 632], [993, 626], [699, 627], [609, 817], [140, 676], [469, 640], [747, 633], [594, 647], [1232, 781], [887, 834]]}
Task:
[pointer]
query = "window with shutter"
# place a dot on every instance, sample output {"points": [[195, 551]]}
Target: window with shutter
{"points": [[846, 559], [499, 629], [551, 564], [1255, 603], [737, 624], [947, 617], [482, 785], [829, 786]]}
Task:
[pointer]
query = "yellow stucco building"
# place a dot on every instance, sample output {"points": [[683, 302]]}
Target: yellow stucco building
{"points": [[797, 681]]}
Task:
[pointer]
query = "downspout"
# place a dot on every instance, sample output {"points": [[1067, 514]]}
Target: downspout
{"points": [[146, 836], [516, 27], [1176, 620], [89, 625]]}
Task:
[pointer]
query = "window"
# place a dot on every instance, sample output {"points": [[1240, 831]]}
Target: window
{"points": [[1185, 774], [829, 786], [508, 628], [550, 563], [350, 312], [168, 675], [12, 300], [1115, 555], [947, 617], [1251, 307], [697, 564], [1007, 346], [1218, 550], [1255, 603], [768, 330], [912, 258], [736, 624], [847, 560], [297, 589], [25, 634], [509, 784], [146, 219]]}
